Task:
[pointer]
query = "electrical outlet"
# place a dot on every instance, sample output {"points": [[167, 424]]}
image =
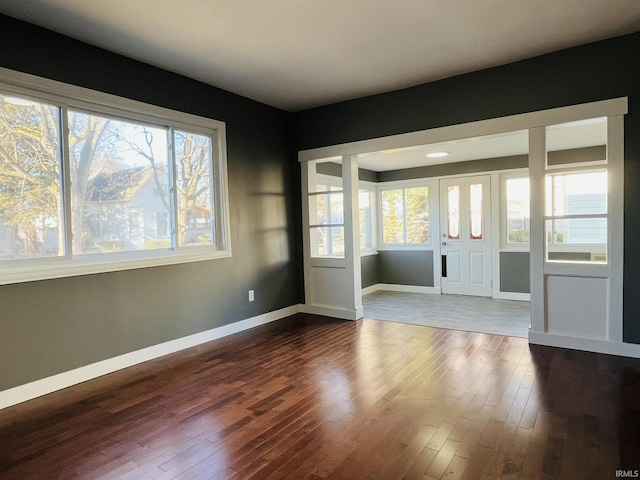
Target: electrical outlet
{"points": [[252, 295]]}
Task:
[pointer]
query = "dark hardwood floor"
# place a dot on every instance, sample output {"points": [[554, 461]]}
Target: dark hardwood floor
{"points": [[310, 398]]}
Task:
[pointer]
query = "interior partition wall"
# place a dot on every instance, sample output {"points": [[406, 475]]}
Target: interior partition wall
{"points": [[331, 238], [576, 301]]}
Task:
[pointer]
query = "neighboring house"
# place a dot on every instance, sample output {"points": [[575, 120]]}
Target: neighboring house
{"points": [[126, 210]]}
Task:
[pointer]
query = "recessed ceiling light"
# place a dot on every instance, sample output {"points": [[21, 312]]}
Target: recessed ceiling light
{"points": [[437, 154]]}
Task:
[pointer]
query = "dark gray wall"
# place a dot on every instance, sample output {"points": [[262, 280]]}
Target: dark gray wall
{"points": [[370, 274], [406, 267], [598, 71], [52, 326], [514, 272]]}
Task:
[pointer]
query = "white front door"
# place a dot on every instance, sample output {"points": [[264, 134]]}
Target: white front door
{"points": [[465, 235]]}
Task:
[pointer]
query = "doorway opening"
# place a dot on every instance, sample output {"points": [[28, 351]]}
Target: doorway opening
{"points": [[515, 225]]}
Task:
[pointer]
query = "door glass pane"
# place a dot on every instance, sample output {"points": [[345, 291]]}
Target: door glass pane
{"points": [[30, 197], [393, 216], [475, 206], [453, 212], [417, 206]]}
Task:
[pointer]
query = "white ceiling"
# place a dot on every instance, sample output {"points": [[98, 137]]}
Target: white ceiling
{"points": [[587, 133], [298, 54]]}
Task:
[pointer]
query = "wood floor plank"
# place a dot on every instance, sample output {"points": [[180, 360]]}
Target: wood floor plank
{"points": [[309, 397]]}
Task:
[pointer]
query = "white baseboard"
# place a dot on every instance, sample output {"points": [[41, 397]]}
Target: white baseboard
{"points": [[333, 312], [371, 289], [587, 344], [41, 387], [392, 287], [525, 297]]}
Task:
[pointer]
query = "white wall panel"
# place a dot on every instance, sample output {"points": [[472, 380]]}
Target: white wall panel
{"points": [[577, 306]]}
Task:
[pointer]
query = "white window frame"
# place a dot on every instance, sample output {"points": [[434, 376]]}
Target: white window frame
{"points": [[331, 181], [432, 185], [68, 97]]}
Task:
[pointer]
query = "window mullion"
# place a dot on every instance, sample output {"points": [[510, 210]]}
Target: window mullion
{"points": [[65, 181], [173, 197], [404, 215], [215, 226]]}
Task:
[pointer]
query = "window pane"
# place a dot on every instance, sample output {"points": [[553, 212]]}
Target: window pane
{"points": [[453, 216], [393, 216], [364, 201], [582, 193], [327, 241], [30, 198], [417, 215], [195, 197], [518, 221], [119, 180], [475, 205], [577, 240], [325, 209], [162, 224]]}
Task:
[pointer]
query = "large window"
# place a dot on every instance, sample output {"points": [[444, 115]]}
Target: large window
{"points": [[405, 216], [88, 185]]}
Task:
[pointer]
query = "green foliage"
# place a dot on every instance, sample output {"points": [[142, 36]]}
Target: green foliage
{"points": [[518, 236], [110, 246], [153, 244], [412, 204]]}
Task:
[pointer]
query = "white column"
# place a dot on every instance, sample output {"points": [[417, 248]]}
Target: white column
{"points": [[537, 164], [353, 276]]}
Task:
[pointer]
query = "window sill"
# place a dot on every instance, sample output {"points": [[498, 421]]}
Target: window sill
{"points": [[399, 248], [29, 270]]}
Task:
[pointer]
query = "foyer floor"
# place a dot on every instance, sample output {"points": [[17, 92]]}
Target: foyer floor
{"points": [[458, 312]]}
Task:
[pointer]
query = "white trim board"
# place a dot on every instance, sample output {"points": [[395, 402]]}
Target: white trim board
{"points": [[22, 393], [526, 297], [622, 349], [523, 297], [334, 312], [391, 287]]}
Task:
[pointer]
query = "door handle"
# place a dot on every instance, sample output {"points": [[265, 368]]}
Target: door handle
{"points": [[444, 244]]}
